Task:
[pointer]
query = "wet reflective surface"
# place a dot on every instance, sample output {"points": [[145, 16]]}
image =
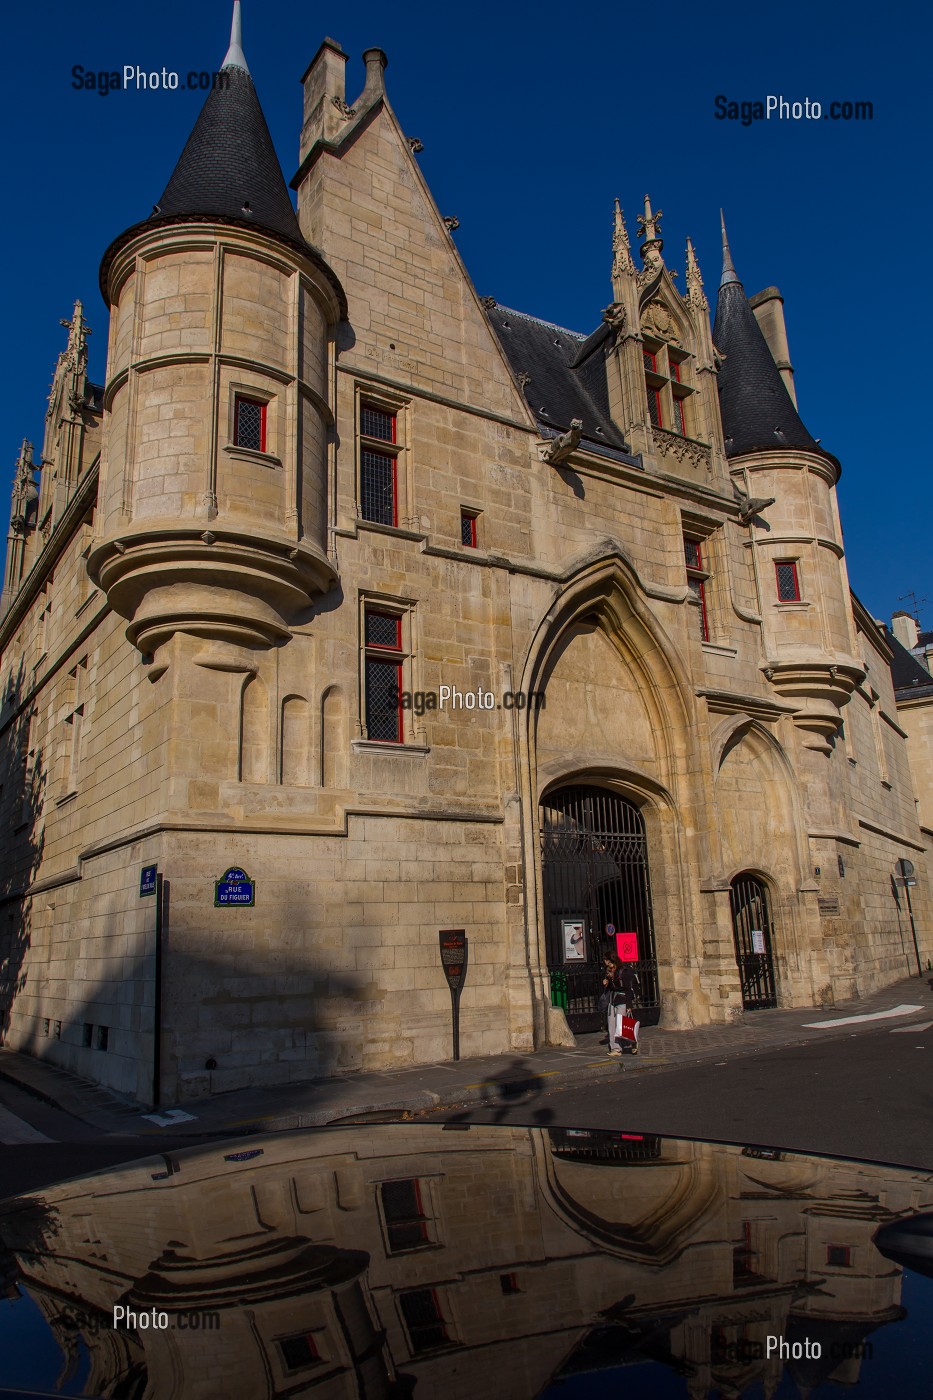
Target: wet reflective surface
{"points": [[501, 1262]]}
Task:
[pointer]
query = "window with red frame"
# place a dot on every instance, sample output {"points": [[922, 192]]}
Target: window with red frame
{"points": [[378, 466], [468, 528], [677, 403], [652, 390], [839, 1256], [299, 1351], [427, 1327], [249, 423], [383, 657], [403, 1212], [696, 581], [788, 583]]}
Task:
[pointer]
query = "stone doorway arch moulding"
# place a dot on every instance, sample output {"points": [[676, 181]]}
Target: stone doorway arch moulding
{"points": [[604, 592]]}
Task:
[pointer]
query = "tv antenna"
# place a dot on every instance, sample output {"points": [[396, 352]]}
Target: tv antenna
{"points": [[917, 604]]}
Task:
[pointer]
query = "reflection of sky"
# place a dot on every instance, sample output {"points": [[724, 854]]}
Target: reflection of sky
{"points": [[901, 1364], [31, 1356]]}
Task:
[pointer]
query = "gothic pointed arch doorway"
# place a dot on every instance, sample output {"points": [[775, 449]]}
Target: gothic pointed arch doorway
{"points": [[594, 861], [753, 932]]}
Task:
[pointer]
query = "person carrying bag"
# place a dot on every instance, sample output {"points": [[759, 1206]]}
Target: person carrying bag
{"points": [[612, 1001]]}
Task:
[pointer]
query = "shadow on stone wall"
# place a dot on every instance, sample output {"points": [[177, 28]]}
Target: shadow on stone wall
{"points": [[22, 785], [229, 1020]]}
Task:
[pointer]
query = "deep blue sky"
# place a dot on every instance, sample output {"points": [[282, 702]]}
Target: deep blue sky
{"points": [[533, 118]]}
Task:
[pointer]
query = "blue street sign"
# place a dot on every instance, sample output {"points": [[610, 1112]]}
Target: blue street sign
{"points": [[147, 879], [234, 887]]}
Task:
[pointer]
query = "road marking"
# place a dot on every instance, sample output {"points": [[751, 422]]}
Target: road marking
{"points": [[906, 1030], [170, 1117], [902, 1010], [15, 1133]]}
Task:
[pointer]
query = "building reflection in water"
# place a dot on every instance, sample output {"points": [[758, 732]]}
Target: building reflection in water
{"points": [[501, 1262]]}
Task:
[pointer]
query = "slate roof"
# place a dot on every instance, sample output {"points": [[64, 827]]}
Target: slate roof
{"points": [[567, 374], [758, 413], [908, 674], [228, 171], [229, 167]]}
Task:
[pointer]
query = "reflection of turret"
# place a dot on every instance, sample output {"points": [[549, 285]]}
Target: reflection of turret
{"points": [[272, 1267]]}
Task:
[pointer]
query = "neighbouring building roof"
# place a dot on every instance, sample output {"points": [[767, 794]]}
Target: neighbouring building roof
{"points": [[909, 676]]}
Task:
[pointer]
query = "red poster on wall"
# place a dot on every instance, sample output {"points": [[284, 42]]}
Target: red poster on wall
{"points": [[627, 947]]}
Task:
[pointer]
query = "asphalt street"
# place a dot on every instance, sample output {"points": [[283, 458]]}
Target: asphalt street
{"points": [[40, 1145], [867, 1096]]}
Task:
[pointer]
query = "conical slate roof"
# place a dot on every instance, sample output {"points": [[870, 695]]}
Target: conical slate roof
{"points": [[229, 168], [228, 171], [757, 411]]}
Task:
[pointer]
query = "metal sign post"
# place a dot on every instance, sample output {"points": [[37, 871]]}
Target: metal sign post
{"points": [[150, 882], [906, 878], [454, 955]]}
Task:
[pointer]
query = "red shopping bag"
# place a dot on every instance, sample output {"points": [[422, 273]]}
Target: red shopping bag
{"points": [[629, 1029]]}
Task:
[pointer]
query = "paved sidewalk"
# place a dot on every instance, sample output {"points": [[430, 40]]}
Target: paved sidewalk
{"points": [[507, 1080]]}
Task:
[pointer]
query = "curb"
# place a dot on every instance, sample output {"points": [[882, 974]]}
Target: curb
{"points": [[82, 1100]]}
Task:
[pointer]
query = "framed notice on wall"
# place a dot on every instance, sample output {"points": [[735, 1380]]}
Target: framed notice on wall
{"points": [[574, 940]]}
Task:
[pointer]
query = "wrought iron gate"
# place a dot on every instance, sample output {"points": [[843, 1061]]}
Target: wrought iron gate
{"points": [[595, 872], [751, 924]]}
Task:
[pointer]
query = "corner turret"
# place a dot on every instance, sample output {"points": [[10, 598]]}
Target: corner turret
{"points": [[213, 501], [780, 470]]}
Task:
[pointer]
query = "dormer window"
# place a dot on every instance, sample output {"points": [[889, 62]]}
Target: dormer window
{"points": [[665, 386]]}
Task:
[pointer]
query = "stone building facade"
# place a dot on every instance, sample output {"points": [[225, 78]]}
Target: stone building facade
{"points": [[325, 483]]}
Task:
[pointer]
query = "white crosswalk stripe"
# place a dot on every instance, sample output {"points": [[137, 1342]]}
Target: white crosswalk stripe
{"points": [[903, 1010], [15, 1133]]}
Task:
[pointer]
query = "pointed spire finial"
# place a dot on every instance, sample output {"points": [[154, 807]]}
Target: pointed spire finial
{"points": [[24, 462], [729, 273], [621, 248], [78, 332], [695, 293], [649, 224], [236, 58]]}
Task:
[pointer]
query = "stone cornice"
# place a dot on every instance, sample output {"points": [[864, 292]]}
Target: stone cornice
{"points": [[727, 702], [177, 233], [889, 835]]}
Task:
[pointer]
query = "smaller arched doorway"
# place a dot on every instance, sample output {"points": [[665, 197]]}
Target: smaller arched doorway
{"points": [[753, 932], [595, 876]]}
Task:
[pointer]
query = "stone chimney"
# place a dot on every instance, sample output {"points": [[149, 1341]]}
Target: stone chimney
{"points": [[768, 307], [325, 108], [905, 630]]}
